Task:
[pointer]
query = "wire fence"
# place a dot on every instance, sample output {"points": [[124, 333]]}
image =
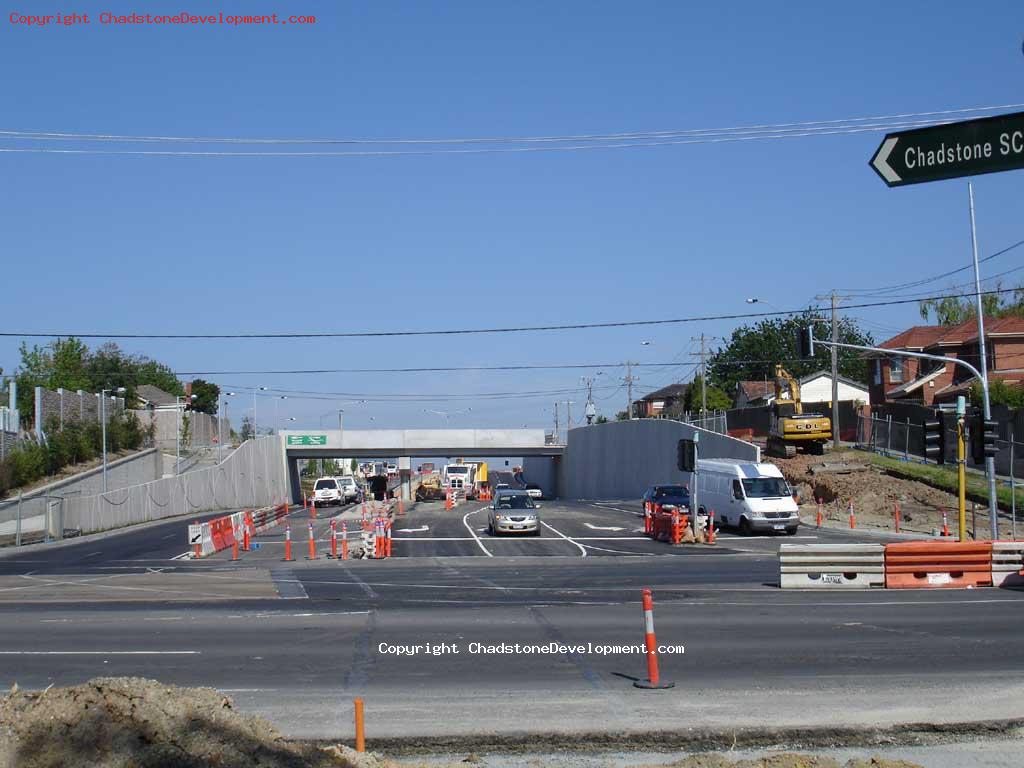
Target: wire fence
{"points": [[903, 438], [253, 475], [713, 421]]}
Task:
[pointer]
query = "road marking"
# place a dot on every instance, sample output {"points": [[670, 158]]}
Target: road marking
{"points": [[100, 653], [182, 556], [93, 554], [168, 536], [604, 527], [583, 550], [413, 530], [362, 584], [473, 533]]}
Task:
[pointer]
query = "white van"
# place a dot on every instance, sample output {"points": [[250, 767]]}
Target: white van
{"points": [[751, 497]]}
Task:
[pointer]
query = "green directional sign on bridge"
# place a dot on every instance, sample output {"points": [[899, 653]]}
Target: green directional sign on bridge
{"points": [[950, 151], [307, 439]]}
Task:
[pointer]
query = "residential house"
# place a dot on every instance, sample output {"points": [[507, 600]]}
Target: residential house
{"points": [[814, 388], [154, 398], [932, 382], [657, 403]]}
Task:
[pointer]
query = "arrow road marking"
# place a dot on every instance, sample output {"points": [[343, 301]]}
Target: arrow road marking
{"points": [[421, 529], [603, 527], [880, 161]]}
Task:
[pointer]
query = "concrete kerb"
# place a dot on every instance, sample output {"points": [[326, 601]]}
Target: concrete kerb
{"points": [[808, 523]]}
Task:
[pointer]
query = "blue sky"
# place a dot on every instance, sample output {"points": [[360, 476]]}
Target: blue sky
{"points": [[194, 245]]}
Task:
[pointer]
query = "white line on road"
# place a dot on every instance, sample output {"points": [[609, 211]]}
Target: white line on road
{"points": [[182, 556], [473, 533], [583, 550]]}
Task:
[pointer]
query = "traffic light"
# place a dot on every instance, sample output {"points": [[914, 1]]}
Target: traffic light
{"points": [[805, 342], [984, 434], [686, 455], [934, 440]]}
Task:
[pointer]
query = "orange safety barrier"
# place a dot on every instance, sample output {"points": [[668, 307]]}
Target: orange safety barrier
{"points": [[896, 515], [819, 512], [312, 544], [938, 565], [711, 527], [668, 526], [334, 539], [197, 551], [344, 541], [448, 499], [945, 524], [853, 518], [653, 680]]}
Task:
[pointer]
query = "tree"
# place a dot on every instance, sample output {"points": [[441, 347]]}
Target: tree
{"points": [[354, 466], [956, 308], [601, 420], [205, 396], [247, 432], [999, 393], [622, 415], [752, 352], [61, 363], [693, 401]]}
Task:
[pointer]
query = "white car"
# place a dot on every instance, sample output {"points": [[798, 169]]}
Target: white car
{"points": [[348, 487], [534, 491], [327, 491]]}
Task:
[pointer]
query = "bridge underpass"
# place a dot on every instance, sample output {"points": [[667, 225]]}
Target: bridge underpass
{"points": [[413, 443]]}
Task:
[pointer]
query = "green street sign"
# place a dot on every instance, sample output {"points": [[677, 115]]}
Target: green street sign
{"points": [[307, 439], [967, 148]]}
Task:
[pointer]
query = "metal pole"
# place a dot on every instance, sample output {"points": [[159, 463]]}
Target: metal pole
{"points": [[835, 376], [103, 419], [961, 463], [990, 461], [17, 530], [695, 506], [629, 390], [1013, 494], [220, 430], [703, 384], [177, 435]]}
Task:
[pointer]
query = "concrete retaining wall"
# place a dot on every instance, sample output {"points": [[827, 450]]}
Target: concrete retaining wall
{"points": [[252, 476], [203, 428], [621, 459]]}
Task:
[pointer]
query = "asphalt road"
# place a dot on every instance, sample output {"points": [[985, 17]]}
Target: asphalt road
{"points": [[296, 641]]}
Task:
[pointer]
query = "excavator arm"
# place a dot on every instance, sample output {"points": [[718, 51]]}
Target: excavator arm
{"points": [[784, 380]]}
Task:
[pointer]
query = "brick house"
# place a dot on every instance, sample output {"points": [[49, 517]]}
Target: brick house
{"points": [[930, 382], [657, 403]]}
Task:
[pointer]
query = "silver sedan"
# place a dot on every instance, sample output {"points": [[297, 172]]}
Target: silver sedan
{"points": [[513, 512]]}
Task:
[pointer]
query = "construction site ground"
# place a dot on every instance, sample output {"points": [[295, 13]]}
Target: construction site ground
{"points": [[875, 494], [114, 722]]}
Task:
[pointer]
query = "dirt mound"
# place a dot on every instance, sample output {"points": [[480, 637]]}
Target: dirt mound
{"points": [[136, 723], [784, 760], [872, 492]]}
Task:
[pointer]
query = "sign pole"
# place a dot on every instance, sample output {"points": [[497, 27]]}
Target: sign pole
{"points": [[990, 461]]}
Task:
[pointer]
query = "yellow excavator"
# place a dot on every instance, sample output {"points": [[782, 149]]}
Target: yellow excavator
{"points": [[791, 428]]}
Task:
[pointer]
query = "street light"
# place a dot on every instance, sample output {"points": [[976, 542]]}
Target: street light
{"points": [[103, 418], [220, 422], [177, 433]]}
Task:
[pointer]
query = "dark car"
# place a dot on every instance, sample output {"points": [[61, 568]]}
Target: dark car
{"points": [[674, 495]]}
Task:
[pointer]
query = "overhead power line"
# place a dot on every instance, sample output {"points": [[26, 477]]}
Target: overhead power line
{"points": [[627, 135], [462, 331], [547, 143]]}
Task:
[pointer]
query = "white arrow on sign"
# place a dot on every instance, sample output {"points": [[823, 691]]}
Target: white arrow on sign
{"points": [[881, 160], [603, 527], [421, 529]]}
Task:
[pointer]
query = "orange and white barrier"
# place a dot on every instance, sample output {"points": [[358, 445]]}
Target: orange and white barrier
{"points": [[288, 543], [938, 565], [653, 680]]}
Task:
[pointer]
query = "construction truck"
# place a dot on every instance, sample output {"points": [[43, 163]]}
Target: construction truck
{"points": [[430, 488], [480, 482], [791, 429], [460, 477]]}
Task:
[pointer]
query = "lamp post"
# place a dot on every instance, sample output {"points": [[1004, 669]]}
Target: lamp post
{"points": [[103, 419], [220, 422], [277, 416], [178, 402]]}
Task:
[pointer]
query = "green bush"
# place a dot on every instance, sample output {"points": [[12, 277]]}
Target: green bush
{"points": [[72, 444]]}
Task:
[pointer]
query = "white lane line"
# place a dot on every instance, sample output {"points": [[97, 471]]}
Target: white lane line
{"points": [[100, 653], [93, 554], [472, 533], [583, 550], [168, 536], [182, 556]]}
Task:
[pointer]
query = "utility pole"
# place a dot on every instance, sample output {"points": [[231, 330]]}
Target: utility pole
{"points": [[568, 417], [703, 372], [557, 436], [589, 411], [834, 298], [630, 378], [990, 461]]}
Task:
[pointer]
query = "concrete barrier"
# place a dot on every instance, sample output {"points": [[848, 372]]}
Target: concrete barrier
{"points": [[831, 566], [1007, 563]]}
